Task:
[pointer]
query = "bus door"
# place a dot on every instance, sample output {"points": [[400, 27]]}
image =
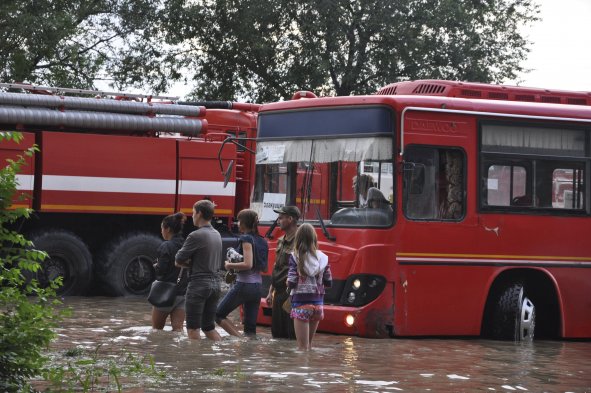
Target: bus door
{"points": [[435, 230]]}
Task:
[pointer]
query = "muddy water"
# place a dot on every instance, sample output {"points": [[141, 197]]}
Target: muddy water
{"points": [[337, 364]]}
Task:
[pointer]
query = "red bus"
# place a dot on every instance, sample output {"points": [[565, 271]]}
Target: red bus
{"points": [[486, 231]]}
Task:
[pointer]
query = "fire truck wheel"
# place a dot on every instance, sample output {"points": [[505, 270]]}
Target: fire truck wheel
{"points": [[69, 258], [514, 316], [127, 267]]}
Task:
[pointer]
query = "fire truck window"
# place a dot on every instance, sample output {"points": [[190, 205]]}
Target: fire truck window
{"points": [[434, 183]]}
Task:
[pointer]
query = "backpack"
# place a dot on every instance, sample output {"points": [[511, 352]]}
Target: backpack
{"points": [[260, 253]]}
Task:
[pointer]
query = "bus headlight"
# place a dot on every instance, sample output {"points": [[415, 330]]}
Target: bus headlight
{"points": [[349, 320], [361, 289]]}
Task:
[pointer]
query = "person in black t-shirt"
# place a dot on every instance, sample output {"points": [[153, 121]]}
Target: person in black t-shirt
{"points": [[171, 230]]}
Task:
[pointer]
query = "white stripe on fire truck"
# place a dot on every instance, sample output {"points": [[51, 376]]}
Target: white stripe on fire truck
{"points": [[191, 187], [25, 182], [135, 185]]}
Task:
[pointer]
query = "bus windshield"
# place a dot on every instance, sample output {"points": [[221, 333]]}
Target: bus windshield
{"points": [[341, 193]]}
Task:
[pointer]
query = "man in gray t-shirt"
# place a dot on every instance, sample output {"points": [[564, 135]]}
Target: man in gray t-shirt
{"points": [[202, 253]]}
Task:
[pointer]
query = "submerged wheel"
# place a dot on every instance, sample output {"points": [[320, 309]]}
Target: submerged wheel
{"points": [[514, 315], [127, 266], [69, 259]]}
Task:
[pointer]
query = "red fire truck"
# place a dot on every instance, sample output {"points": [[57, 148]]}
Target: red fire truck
{"points": [[481, 237], [109, 169]]}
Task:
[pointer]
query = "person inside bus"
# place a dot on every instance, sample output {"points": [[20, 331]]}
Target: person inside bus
{"points": [[379, 211], [361, 184], [376, 199]]}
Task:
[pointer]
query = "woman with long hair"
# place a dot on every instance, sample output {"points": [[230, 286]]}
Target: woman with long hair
{"points": [[171, 230], [309, 274], [246, 291]]}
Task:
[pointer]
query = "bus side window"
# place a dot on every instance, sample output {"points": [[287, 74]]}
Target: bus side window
{"points": [[434, 183]]}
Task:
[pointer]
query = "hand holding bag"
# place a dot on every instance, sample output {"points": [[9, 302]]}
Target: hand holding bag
{"points": [[163, 293], [286, 306]]}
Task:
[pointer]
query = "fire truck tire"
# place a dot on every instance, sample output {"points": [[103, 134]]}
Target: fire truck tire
{"points": [[127, 266], [69, 258], [514, 316]]}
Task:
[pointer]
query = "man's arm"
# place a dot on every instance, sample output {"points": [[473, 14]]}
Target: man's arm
{"points": [[183, 256]]}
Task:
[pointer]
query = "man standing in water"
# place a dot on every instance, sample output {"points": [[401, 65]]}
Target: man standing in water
{"points": [[281, 323], [202, 253]]}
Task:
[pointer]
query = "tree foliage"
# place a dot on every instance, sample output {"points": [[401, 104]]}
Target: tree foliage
{"points": [[77, 43], [27, 315], [265, 50], [262, 50]]}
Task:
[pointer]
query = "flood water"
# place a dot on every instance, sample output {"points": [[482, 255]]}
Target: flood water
{"points": [[337, 364]]}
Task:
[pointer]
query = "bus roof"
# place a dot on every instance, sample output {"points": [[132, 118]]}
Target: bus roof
{"points": [[473, 90], [400, 102]]}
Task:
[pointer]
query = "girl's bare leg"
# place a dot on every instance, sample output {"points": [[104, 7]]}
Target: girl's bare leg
{"points": [[302, 332], [313, 327]]}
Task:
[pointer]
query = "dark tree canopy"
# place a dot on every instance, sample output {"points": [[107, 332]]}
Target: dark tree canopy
{"points": [[76, 43], [264, 50]]}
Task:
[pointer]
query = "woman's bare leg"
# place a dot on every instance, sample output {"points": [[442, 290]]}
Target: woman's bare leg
{"points": [[177, 319], [158, 319], [229, 327]]}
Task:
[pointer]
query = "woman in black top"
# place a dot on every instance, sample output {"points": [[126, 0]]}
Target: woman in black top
{"points": [[171, 230]]}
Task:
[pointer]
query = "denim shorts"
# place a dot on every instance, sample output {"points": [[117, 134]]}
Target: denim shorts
{"points": [[203, 294]]}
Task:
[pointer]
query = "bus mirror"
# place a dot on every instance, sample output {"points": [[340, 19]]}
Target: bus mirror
{"points": [[228, 173]]}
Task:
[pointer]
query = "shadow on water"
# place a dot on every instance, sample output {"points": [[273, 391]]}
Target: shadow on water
{"points": [[337, 364]]}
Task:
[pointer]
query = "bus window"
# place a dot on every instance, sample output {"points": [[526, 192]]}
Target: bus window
{"points": [[506, 185], [528, 168], [434, 183]]}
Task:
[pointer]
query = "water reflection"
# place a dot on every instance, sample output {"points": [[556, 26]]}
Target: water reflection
{"points": [[337, 364]]}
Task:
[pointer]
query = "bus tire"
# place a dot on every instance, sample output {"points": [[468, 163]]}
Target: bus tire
{"points": [[127, 265], [68, 257], [514, 316]]}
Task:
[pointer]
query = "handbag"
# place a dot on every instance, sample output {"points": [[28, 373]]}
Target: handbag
{"points": [[286, 306], [163, 293]]}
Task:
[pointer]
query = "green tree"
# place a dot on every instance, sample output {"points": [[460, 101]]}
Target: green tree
{"points": [[77, 43], [267, 49], [27, 315]]}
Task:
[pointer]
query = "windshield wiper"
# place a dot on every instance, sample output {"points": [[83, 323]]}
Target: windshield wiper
{"points": [[324, 230]]}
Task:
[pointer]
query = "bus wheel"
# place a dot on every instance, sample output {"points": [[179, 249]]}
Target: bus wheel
{"points": [[514, 315], [127, 266], [68, 258]]}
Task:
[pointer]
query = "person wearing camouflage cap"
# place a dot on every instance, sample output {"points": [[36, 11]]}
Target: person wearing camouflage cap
{"points": [[281, 323]]}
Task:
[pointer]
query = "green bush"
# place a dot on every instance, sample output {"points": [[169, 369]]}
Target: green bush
{"points": [[27, 312]]}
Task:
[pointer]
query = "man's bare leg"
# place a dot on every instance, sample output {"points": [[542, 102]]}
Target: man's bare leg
{"points": [[213, 335]]}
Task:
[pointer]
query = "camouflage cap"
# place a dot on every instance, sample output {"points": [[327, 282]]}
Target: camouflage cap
{"points": [[290, 211]]}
